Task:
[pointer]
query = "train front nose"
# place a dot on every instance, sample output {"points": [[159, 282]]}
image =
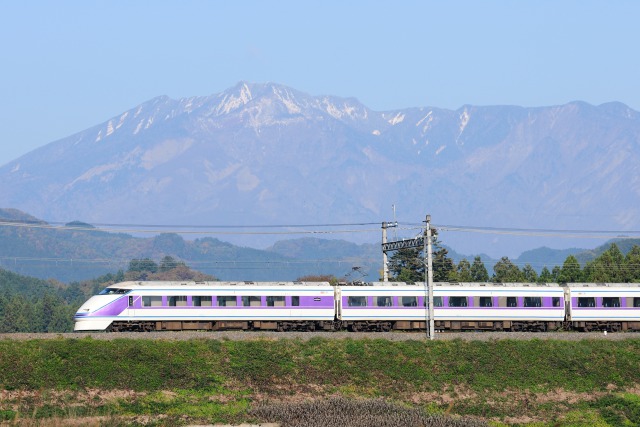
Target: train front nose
{"points": [[87, 317]]}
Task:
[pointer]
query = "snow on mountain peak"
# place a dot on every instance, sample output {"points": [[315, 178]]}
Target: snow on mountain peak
{"points": [[427, 125], [234, 101], [398, 118], [288, 99]]}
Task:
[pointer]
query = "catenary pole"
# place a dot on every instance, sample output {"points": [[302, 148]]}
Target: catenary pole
{"points": [[429, 280], [385, 265]]}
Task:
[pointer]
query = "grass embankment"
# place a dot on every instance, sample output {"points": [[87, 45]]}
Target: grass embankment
{"points": [[538, 382]]}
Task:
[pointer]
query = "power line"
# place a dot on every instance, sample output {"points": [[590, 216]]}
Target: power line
{"points": [[265, 229], [536, 232], [200, 229]]}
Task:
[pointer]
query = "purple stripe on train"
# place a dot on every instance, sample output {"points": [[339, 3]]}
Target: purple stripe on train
{"points": [[324, 301], [114, 308], [381, 302]]}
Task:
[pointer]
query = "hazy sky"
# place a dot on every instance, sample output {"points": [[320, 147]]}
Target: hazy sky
{"points": [[66, 66]]}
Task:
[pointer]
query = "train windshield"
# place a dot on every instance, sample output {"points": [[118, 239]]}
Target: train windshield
{"points": [[113, 291]]}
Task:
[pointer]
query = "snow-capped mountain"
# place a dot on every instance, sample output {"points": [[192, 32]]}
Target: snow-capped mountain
{"points": [[268, 154]]}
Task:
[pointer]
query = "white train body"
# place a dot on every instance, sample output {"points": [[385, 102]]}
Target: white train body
{"points": [[597, 303], [378, 306], [201, 305]]}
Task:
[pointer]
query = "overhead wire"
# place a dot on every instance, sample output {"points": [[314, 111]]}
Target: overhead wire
{"points": [[227, 229], [201, 230], [538, 232]]}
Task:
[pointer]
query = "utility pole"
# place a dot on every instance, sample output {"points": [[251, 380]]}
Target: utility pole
{"points": [[429, 278]]}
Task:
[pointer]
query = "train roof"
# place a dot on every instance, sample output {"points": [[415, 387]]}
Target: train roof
{"points": [[210, 284], [460, 284], [603, 285]]}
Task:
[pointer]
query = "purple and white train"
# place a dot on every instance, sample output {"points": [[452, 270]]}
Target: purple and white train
{"points": [[377, 306]]}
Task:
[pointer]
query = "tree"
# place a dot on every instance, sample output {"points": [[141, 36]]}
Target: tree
{"points": [[140, 269], [443, 266], [45, 309], [608, 267], [479, 271], [545, 276], [16, 315], [407, 265], [529, 274], [168, 263], [571, 271], [464, 271], [617, 264], [62, 319], [506, 271], [632, 265], [182, 272]]}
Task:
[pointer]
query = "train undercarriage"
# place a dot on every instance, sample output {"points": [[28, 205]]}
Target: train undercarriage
{"points": [[369, 326], [227, 325], [605, 326]]}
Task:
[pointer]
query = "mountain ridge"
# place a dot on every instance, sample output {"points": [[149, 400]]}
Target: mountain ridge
{"points": [[266, 153]]}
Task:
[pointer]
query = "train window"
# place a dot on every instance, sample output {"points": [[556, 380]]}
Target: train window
{"points": [[113, 291], [275, 301], [610, 301], [457, 301], [357, 301], [383, 301], [512, 301], [295, 301], [251, 301], [226, 301], [486, 302], [409, 301], [437, 302], [555, 301], [586, 302], [177, 301], [152, 301], [202, 301], [636, 302], [532, 302]]}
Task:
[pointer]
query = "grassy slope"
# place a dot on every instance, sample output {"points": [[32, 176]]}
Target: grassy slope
{"points": [[561, 382]]}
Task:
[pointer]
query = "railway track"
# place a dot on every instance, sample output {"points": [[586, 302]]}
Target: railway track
{"points": [[267, 335]]}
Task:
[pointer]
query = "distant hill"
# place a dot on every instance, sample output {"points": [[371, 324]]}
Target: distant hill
{"points": [[624, 245], [546, 257], [78, 251]]}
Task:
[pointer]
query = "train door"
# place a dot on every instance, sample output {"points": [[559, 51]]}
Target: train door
{"points": [[131, 312]]}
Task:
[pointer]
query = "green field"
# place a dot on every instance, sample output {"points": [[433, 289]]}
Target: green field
{"points": [[161, 382]]}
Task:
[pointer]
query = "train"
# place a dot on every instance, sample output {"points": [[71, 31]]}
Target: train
{"points": [[360, 306]]}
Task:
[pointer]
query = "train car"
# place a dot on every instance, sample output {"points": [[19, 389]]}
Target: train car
{"points": [[381, 306], [457, 306], [156, 305], [604, 306]]}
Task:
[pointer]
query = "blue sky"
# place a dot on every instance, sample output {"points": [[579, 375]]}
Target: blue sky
{"points": [[73, 64]]}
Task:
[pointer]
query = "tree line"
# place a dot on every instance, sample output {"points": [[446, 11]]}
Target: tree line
{"points": [[612, 266]]}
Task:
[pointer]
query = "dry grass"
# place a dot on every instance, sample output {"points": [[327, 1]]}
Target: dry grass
{"points": [[343, 412]]}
